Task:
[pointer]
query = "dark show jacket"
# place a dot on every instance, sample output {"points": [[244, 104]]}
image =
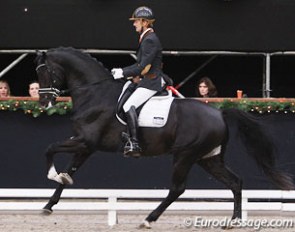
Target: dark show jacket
{"points": [[149, 54]]}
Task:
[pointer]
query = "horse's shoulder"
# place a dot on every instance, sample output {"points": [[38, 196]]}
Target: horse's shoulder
{"points": [[88, 115]]}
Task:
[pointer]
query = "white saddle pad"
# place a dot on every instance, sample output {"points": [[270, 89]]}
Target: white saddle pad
{"points": [[155, 111]]}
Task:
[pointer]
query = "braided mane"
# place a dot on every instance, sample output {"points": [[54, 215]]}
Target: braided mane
{"points": [[77, 52]]}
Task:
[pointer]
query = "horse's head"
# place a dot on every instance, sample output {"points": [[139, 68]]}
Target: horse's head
{"points": [[50, 77]]}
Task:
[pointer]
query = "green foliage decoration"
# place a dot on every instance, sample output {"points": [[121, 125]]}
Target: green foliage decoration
{"points": [[33, 107], [261, 107], [63, 107]]}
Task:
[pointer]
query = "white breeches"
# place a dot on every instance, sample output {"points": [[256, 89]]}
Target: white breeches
{"points": [[138, 97]]}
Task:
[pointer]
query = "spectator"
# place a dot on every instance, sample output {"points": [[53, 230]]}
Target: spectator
{"points": [[4, 89], [34, 89], [206, 88]]}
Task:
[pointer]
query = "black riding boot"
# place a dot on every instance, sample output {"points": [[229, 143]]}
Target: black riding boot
{"points": [[132, 147]]}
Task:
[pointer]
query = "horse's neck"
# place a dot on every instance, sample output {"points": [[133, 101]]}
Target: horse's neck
{"points": [[103, 96]]}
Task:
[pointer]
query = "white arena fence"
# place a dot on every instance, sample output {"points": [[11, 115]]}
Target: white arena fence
{"points": [[113, 200]]}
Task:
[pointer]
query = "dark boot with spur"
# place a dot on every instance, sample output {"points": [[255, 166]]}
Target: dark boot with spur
{"points": [[132, 147]]}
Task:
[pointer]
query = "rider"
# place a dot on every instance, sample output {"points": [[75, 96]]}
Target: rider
{"points": [[148, 66]]}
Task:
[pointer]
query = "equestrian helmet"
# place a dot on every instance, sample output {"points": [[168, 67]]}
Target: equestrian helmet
{"points": [[143, 12]]}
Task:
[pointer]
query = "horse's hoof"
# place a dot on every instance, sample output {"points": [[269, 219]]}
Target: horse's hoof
{"points": [[66, 178], [227, 227], [55, 177], [145, 225], [46, 211]]}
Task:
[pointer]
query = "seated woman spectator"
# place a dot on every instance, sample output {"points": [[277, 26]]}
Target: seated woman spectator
{"points": [[34, 89], [4, 89], [206, 88]]}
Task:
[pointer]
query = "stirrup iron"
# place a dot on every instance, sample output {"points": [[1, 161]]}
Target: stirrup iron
{"points": [[132, 148]]}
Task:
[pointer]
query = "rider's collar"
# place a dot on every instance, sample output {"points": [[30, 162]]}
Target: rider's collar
{"points": [[143, 33]]}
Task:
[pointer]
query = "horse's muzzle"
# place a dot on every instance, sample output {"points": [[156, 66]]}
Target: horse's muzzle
{"points": [[46, 101], [48, 97]]}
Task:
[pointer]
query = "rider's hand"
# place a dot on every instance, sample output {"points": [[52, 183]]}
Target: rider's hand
{"points": [[117, 73]]}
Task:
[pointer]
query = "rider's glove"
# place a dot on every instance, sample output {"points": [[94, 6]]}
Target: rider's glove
{"points": [[117, 73]]}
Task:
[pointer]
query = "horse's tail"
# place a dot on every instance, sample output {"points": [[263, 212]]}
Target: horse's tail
{"points": [[259, 145]]}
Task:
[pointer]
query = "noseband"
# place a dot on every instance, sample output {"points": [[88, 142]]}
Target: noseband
{"points": [[53, 91]]}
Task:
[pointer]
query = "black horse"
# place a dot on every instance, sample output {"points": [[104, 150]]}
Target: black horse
{"points": [[193, 129]]}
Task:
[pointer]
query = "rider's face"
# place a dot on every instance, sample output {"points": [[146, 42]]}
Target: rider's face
{"points": [[139, 25]]}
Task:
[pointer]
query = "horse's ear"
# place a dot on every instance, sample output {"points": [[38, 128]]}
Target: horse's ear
{"points": [[41, 56], [41, 53]]}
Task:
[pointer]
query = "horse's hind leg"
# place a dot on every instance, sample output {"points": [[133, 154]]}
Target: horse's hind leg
{"points": [[181, 166], [216, 167]]}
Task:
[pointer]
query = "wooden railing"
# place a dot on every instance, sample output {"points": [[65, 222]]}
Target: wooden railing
{"points": [[217, 99], [24, 98], [208, 100]]}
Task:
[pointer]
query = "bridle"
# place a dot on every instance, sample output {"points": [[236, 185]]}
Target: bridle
{"points": [[55, 92]]}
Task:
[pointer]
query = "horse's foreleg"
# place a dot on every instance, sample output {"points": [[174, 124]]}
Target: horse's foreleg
{"points": [[182, 165], [216, 167], [54, 199], [76, 163], [68, 146]]}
